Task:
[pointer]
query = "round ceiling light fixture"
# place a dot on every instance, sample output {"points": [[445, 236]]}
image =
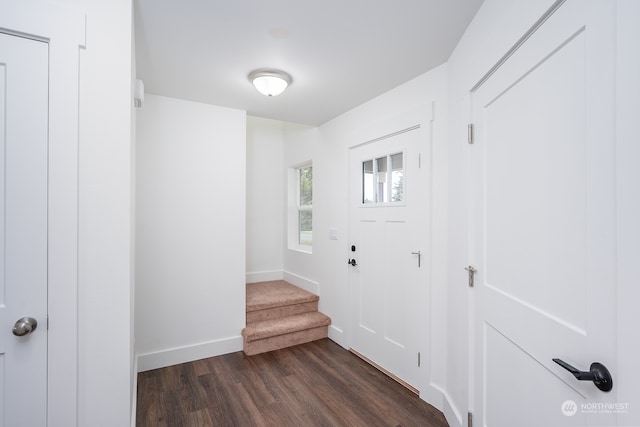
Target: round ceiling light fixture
{"points": [[270, 82]]}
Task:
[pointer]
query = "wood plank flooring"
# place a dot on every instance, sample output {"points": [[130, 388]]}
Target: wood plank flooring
{"points": [[314, 384]]}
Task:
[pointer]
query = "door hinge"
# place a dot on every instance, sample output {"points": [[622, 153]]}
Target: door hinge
{"points": [[418, 359], [469, 419], [472, 272], [470, 133]]}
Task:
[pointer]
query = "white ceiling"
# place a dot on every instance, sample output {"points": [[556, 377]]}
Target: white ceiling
{"points": [[340, 53]]}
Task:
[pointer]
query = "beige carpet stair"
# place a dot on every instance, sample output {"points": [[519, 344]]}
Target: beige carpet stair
{"points": [[281, 315]]}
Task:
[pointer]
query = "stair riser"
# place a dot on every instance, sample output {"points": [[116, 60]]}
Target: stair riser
{"points": [[283, 341], [279, 312]]}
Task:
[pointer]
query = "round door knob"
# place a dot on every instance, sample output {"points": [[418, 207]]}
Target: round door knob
{"points": [[24, 326]]}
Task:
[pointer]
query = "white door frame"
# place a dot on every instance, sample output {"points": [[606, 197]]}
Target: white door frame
{"points": [[64, 30], [423, 116], [628, 209]]}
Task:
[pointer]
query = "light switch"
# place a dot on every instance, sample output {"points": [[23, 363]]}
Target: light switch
{"points": [[333, 234]]}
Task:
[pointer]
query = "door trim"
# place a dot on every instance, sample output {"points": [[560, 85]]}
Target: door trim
{"points": [[64, 30], [420, 117], [522, 40]]}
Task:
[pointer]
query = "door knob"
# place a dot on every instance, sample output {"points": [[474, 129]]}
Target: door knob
{"points": [[598, 373], [24, 326], [352, 262]]}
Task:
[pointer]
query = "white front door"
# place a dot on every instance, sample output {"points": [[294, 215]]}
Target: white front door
{"points": [[390, 246], [543, 227], [23, 230]]}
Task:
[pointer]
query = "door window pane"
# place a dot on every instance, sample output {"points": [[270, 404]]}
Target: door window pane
{"points": [[383, 179], [368, 194], [397, 178], [381, 164]]}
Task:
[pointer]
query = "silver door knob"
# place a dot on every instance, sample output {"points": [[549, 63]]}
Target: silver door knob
{"points": [[24, 326]]}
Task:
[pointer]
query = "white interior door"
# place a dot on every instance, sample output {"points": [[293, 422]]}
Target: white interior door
{"points": [[543, 227], [388, 231], [23, 230]]}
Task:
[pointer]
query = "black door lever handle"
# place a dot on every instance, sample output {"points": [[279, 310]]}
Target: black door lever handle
{"points": [[598, 373]]}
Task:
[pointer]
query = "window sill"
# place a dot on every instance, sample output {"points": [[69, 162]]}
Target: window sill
{"points": [[303, 250]]}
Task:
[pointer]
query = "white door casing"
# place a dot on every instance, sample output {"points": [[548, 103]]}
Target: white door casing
{"points": [[23, 228], [389, 284], [543, 225]]}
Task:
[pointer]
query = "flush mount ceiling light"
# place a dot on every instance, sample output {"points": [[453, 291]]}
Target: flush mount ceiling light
{"points": [[270, 82]]}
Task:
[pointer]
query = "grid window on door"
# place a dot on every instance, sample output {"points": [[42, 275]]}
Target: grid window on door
{"points": [[304, 180], [383, 179]]}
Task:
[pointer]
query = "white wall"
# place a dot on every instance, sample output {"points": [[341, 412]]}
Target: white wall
{"points": [[265, 198], [104, 263], [482, 45], [628, 209], [301, 144], [190, 237]]}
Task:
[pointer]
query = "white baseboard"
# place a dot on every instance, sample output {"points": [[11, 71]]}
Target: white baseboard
{"points": [[134, 392], [264, 276], [302, 282], [338, 336], [174, 356], [441, 400], [451, 412], [433, 395]]}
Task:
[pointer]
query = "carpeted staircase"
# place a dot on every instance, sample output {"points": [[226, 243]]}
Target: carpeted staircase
{"points": [[281, 315]]}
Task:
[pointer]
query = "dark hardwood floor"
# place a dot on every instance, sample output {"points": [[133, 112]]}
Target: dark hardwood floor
{"points": [[315, 384]]}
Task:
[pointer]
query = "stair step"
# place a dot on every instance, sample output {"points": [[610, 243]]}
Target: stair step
{"points": [[274, 294], [281, 315], [279, 312], [285, 325], [284, 341]]}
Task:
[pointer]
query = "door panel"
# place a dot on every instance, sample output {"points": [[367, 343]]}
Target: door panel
{"points": [[543, 225], [542, 134], [389, 288], [399, 293], [369, 302], [523, 407], [23, 228]]}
